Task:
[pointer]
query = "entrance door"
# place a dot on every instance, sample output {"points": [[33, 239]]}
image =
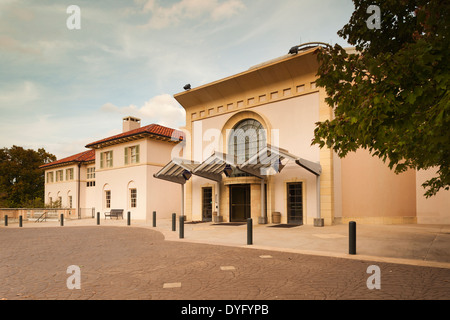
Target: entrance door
{"points": [[295, 203], [239, 202], [207, 204]]}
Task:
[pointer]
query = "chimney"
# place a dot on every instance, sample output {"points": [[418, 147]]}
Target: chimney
{"points": [[131, 123]]}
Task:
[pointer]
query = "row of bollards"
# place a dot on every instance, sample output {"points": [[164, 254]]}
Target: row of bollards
{"points": [[181, 228], [351, 230], [128, 218], [181, 224], [61, 219], [6, 220]]}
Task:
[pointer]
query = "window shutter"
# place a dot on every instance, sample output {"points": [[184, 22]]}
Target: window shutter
{"points": [[126, 155], [102, 159], [137, 154]]}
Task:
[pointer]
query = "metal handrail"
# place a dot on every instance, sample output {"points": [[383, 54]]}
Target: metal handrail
{"points": [[43, 216]]}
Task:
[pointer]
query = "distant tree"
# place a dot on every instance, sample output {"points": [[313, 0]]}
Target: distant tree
{"points": [[21, 180], [392, 96]]}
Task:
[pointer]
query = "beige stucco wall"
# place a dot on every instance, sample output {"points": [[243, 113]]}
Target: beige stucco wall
{"points": [[290, 125], [67, 188], [62, 188], [152, 194], [372, 193], [87, 193], [198, 183], [293, 173], [436, 209]]}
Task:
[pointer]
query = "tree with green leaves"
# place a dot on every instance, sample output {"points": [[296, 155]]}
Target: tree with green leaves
{"points": [[391, 96], [21, 179]]}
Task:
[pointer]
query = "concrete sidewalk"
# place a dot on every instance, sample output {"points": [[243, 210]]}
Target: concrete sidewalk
{"points": [[422, 245]]}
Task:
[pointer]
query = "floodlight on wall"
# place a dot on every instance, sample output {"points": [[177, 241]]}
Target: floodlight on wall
{"points": [[280, 165], [187, 87], [186, 175], [228, 170]]}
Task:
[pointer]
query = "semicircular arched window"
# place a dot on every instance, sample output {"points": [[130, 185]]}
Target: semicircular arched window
{"points": [[247, 138]]}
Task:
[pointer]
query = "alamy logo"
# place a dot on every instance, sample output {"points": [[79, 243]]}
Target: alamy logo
{"points": [[374, 281], [73, 281], [374, 21], [73, 22]]}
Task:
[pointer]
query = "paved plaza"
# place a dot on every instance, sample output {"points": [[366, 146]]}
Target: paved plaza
{"points": [[139, 262]]}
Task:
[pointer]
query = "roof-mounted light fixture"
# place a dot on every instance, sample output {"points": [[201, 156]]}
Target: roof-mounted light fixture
{"points": [[306, 46]]}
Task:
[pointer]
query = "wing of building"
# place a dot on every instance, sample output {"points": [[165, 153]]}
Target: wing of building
{"points": [[248, 153], [116, 173]]}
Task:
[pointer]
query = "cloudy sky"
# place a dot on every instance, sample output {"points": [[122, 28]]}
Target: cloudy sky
{"points": [[62, 88]]}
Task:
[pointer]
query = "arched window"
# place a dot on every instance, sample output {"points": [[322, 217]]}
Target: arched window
{"points": [[247, 138]]}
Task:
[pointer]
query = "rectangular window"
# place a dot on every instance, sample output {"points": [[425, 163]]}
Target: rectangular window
{"points": [[90, 184], [59, 175], [69, 174], [108, 199], [106, 159], [131, 155], [70, 202], [91, 173], [133, 198], [49, 177]]}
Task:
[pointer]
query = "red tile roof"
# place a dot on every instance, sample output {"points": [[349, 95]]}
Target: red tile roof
{"points": [[82, 157], [153, 129], [86, 156]]}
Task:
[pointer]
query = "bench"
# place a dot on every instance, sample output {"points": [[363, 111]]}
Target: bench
{"points": [[114, 213]]}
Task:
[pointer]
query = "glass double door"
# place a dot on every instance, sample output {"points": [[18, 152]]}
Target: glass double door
{"points": [[295, 203], [239, 202]]}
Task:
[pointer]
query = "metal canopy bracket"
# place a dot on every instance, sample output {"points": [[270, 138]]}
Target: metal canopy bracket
{"points": [[313, 167]]}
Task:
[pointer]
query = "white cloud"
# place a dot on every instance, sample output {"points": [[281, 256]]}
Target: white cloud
{"points": [[162, 109], [18, 94], [227, 9], [7, 43], [162, 17]]}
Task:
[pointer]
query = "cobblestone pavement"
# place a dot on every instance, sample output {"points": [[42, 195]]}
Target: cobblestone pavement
{"points": [[137, 263]]}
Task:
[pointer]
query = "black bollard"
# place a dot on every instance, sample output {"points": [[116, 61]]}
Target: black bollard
{"points": [[352, 237], [20, 221], [98, 218], [181, 227], [128, 218], [249, 231], [6, 220], [154, 219], [61, 220], [174, 222]]}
